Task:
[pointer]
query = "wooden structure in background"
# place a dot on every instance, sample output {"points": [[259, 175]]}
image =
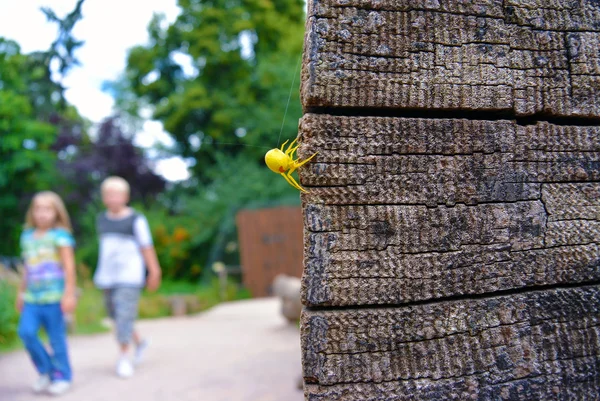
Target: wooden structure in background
{"points": [[270, 244], [452, 229]]}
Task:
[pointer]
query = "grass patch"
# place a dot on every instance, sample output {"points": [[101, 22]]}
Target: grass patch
{"points": [[11, 346], [154, 306], [9, 318], [90, 311], [177, 287]]}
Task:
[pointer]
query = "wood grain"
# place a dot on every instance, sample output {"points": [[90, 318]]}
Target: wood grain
{"points": [[452, 223], [523, 57], [540, 345]]}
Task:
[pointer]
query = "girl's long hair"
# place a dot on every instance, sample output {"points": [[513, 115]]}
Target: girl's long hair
{"points": [[62, 216]]}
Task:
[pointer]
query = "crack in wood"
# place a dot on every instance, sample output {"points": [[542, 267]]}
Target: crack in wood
{"points": [[506, 115], [466, 297]]}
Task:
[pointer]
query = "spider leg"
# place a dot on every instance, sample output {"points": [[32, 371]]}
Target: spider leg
{"points": [[298, 164], [292, 182], [292, 151], [291, 148], [283, 145], [291, 169]]}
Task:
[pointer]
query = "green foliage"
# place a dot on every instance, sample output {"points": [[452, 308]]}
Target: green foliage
{"points": [[9, 317], [27, 162], [90, 309], [172, 236], [65, 44], [86, 249], [31, 103], [243, 54], [154, 306], [236, 183]]}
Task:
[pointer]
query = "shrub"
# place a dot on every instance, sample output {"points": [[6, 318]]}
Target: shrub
{"points": [[9, 318]]}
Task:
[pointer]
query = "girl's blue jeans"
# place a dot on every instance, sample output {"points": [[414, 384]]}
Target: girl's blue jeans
{"points": [[51, 318]]}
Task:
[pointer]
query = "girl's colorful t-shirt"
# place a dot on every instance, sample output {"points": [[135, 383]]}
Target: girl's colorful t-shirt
{"points": [[43, 270]]}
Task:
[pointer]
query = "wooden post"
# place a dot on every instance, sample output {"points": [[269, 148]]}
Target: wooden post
{"points": [[452, 228]]}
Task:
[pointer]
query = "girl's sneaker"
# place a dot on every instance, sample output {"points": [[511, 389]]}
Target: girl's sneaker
{"points": [[42, 383], [59, 387]]}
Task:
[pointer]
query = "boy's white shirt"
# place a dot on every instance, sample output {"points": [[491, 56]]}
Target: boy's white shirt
{"points": [[120, 261]]}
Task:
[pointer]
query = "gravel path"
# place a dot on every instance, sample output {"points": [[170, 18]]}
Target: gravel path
{"points": [[239, 351]]}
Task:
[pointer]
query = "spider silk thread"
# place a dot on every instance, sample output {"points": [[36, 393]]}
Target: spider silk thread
{"points": [[289, 97]]}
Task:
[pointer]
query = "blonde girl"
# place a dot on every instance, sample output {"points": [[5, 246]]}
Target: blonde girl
{"points": [[47, 290]]}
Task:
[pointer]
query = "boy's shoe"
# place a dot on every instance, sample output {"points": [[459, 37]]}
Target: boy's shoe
{"points": [[42, 383], [140, 349], [124, 368], [59, 387]]}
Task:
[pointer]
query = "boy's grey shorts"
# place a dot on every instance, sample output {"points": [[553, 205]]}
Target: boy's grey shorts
{"points": [[122, 306]]}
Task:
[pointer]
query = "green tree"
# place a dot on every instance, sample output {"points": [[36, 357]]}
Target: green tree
{"points": [[46, 93], [220, 75], [25, 144], [33, 115]]}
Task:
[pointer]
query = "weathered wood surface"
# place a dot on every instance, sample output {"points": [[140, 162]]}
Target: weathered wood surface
{"points": [[452, 228], [539, 345], [404, 210], [520, 56], [377, 160]]}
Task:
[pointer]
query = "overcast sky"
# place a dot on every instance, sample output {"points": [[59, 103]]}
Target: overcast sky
{"points": [[109, 28]]}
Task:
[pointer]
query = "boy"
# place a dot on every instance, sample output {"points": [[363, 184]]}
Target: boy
{"points": [[125, 250]]}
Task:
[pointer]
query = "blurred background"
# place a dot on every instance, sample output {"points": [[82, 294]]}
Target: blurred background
{"points": [[182, 99]]}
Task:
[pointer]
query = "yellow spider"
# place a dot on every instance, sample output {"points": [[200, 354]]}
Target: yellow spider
{"points": [[284, 163]]}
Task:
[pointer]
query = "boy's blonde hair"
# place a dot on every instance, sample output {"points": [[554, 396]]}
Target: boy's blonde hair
{"points": [[62, 216], [115, 182]]}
